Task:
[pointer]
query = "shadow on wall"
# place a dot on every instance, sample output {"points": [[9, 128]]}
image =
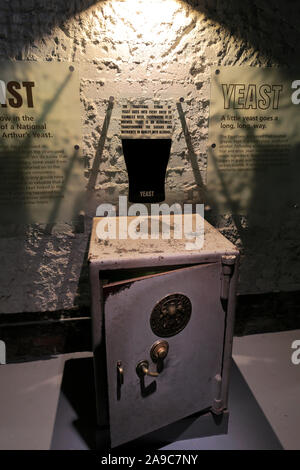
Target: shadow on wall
{"points": [[270, 29], [32, 243], [37, 19], [268, 234]]}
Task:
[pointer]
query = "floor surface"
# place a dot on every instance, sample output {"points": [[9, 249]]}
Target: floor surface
{"points": [[50, 404]]}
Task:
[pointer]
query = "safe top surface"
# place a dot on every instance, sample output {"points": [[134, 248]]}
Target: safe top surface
{"points": [[125, 253]]}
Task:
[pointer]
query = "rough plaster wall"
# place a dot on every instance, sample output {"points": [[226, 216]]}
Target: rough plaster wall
{"points": [[137, 48]]}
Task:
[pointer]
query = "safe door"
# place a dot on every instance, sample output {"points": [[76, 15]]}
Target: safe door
{"points": [[164, 338]]}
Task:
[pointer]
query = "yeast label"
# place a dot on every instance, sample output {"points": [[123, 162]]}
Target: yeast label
{"points": [[249, 96], [16, 94]]}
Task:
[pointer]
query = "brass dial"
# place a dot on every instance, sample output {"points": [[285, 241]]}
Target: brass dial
{"points": [[170, 315]]}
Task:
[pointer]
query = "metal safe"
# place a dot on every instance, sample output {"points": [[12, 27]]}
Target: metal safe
{"points": [[162, 321]]}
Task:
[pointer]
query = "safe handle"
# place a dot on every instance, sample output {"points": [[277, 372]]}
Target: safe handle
{"points": [[142, 369], [120, 379], [120, 373]]}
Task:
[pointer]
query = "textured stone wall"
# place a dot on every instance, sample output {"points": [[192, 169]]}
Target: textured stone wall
{"points": [[138, 48]]}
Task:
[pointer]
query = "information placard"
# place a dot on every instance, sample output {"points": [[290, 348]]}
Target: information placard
{"points": [[142, 118], [41, 171], [254, 140], [146, 121]]}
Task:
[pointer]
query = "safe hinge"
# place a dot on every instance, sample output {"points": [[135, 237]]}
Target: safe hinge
{"points": [[228, 262], [217, 405]]}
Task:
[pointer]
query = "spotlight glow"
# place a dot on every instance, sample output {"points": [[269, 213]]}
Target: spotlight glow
{"points": [[141, 24]]}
